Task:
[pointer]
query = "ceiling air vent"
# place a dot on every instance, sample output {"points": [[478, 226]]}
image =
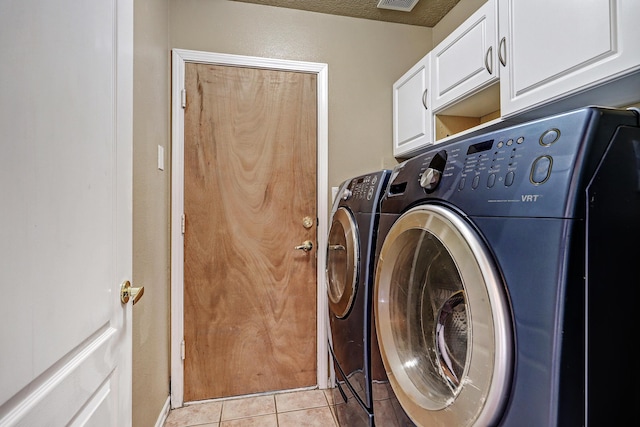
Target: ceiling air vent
{"points": [[403, 5]]}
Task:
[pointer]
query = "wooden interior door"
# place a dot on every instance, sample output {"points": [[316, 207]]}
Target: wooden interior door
{"points": [[249, 180]]}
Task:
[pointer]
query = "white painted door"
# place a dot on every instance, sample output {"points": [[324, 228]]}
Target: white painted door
{"points": [[412, 113], [65, 212], [552, 49]]}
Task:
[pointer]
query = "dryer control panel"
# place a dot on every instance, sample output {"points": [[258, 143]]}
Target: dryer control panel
{"points": [[363, 193]]}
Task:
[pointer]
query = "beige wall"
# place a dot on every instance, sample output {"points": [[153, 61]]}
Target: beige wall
{"points": [[151, 198], [364, 58]]}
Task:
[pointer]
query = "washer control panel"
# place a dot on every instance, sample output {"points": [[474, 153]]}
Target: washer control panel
{"points": [[528, 169]]}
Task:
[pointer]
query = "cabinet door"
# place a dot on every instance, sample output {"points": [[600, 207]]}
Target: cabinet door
{"points": [[466, 61], [412, 116], [551, 49]]}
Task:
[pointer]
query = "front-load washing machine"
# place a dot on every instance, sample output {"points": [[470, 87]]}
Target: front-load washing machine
{"points": [[507, 274], [350, 249]]}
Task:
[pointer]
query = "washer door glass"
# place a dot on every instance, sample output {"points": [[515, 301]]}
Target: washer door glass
{"points": [[442, 319], [342, 262]]}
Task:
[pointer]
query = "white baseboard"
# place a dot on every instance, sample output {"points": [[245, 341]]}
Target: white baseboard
{"points": [[164, 413]]}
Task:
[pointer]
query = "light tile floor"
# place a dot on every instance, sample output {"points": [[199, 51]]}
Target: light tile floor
{"points": [[307, 408]]}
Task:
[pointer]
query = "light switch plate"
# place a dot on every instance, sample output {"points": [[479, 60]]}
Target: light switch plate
{"points": [[160, 157], [334, 192]]}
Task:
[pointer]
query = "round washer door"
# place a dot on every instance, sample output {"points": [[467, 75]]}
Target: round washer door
{"points": [[442, 320], [342, 262]]}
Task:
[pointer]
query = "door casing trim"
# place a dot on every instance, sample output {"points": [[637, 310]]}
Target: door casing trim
{"points": [[179, 57]]}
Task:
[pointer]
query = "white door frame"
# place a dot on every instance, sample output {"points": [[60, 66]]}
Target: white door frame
{"points": [[179, 58]]}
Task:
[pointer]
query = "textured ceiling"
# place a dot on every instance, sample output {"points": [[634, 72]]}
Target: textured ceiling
{"points": [[425, 13]]}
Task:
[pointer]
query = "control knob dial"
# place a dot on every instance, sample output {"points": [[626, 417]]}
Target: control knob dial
{"points": [[432, 175], [430, 179]]}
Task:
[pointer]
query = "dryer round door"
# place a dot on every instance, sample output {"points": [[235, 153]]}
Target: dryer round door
{"points": [[442, 320], [342, 262]]}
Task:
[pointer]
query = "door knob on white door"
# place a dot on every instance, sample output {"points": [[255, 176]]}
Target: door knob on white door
{"points": [[127, 292]]}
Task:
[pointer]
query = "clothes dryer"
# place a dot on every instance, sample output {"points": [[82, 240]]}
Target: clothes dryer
{"points": [[350, 249], [506, 275]]}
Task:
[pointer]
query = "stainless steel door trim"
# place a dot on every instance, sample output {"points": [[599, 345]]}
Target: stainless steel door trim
{"points": [[487, 374], [343, 262]]}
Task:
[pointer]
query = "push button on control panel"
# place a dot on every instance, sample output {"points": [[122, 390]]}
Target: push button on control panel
{"points": [[549, 137], [491, 180], [461, 183], [508, 179], [541, 169]]}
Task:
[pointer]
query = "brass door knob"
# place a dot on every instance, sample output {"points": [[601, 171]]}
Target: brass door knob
{"points": [[307, 222], [127, 292], [306, 246]]}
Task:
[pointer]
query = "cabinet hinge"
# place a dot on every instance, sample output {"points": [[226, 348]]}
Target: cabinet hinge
{"points": [[183, 222], [183, 98], [182, 350]]}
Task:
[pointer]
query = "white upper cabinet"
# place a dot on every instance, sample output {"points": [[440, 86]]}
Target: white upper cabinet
{"points": [[466, 61], [412, 115], [519, 59], [551, 49]]}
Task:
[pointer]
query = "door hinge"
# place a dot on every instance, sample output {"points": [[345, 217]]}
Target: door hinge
{"points": [[183, 222], [182, 350], [183, 98]]}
